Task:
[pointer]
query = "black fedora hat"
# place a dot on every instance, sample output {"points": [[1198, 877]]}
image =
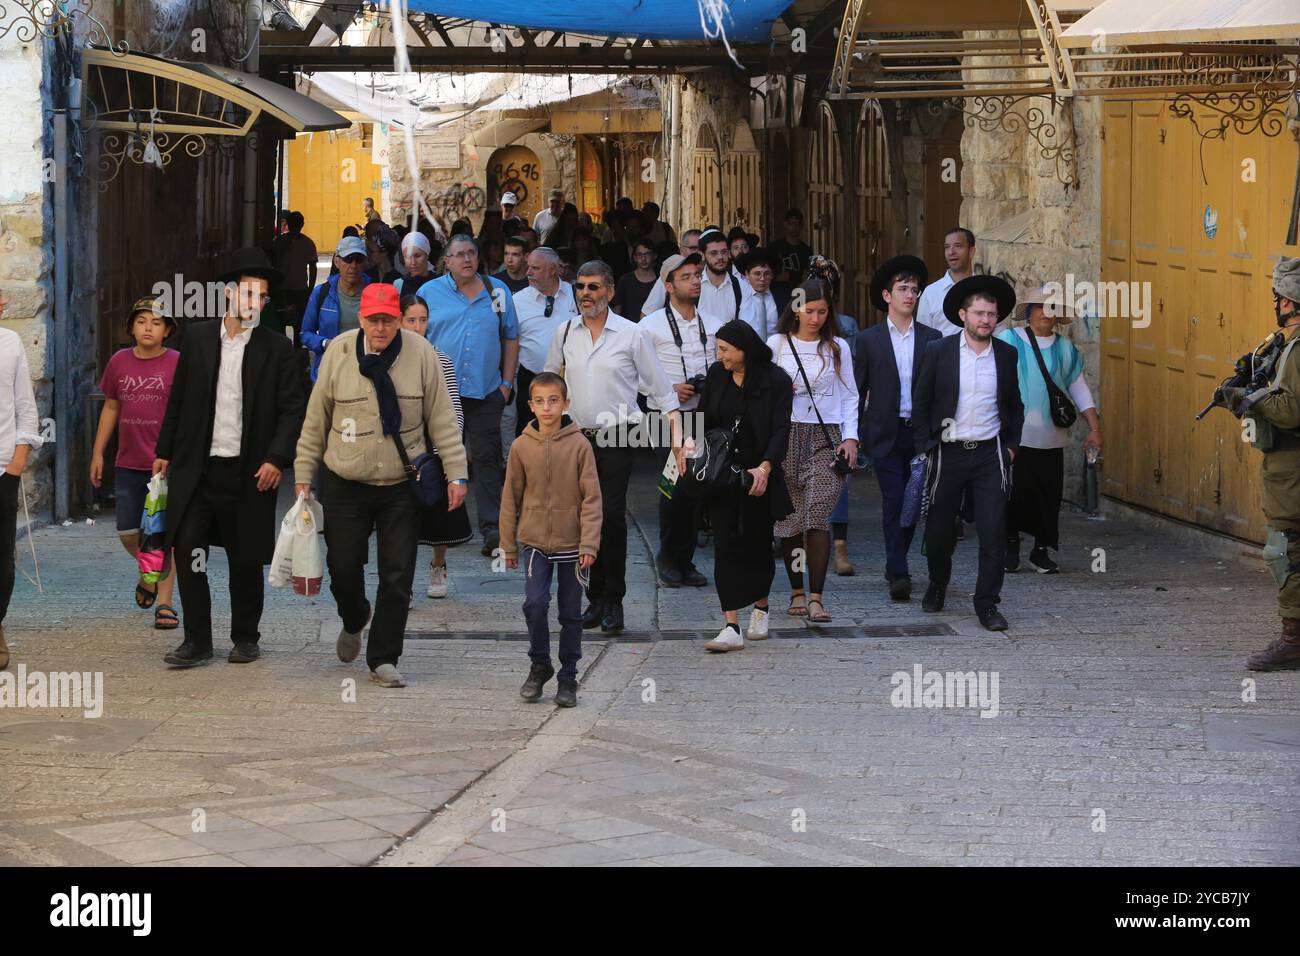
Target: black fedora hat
{"points": [[999, 289], [249, 261], [885, 273]]}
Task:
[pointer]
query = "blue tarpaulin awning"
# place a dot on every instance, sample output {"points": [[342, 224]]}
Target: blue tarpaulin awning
{"points": [[748, 21]]}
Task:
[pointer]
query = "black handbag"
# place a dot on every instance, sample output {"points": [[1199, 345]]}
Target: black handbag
{"points": [[1063, 411], [713, 468], [428, 480]]}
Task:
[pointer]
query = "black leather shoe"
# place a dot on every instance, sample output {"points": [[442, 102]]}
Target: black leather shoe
{"points": [[933, 600], [593, 615], [538, 675], [669, 575], [244, 653], [900, 589], [692, 577], [612, 622], [993, 620], [491, 539], [567, 694], [187, 655]]}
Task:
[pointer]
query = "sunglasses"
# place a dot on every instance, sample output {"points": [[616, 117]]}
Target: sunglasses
{"points": [[550, 306], [589, 286], [354, 258]]}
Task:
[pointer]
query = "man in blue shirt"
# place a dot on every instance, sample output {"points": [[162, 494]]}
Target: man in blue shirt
{"points": [[472, 321]]}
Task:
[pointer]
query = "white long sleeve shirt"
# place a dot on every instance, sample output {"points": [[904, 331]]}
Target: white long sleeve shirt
{"points": [[834, 395], [976, 418], [760, 312], [694, 357], [929, 309], [605, 376], [19, 423], [228, 417]]}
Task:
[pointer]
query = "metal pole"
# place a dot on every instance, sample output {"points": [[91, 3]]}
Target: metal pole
{"points": [[62, 323], [253, 32]]}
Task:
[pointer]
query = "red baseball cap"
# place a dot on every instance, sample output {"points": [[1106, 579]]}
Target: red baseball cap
{"points": [[380, 298]]}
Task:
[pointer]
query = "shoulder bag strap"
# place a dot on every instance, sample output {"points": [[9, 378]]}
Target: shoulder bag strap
{"points": [[811, 398]]}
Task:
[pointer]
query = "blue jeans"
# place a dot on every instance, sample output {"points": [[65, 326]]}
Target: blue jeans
{"points": [[537, 604]]}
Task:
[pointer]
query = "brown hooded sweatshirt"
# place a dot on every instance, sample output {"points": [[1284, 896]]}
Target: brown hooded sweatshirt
{"points": [[551, 499]]}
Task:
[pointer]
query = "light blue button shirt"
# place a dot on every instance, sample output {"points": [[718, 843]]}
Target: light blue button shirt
{"points": [[470, 333]]}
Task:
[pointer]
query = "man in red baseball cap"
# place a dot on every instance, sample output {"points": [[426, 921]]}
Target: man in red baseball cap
{"points": [[365, 436]]}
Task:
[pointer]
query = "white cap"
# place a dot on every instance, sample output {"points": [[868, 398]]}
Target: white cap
{"points": [[509, 199]]}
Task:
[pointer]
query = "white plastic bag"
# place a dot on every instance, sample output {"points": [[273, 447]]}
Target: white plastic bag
{"points": [[308, 562], [297, 559]]}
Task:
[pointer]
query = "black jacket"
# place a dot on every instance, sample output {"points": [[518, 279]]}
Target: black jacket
{"points": [[934, 393], [274, 405], [764, 427], [877, 374]]}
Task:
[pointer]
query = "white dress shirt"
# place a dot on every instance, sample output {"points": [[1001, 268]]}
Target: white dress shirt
{"points": [[977, 394], [834, 395], [904, 344], [655, 300], [543, 223], [228, 414], [759, 310], [695, 357], [929, 310], [605, 376], [720, 300], [19, 423], [535, 329]]}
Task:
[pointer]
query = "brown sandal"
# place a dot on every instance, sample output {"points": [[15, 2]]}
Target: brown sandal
{"points": [[799, 611], [823, 617], [165, 618]]}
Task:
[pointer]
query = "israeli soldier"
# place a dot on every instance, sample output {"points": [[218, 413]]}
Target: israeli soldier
{"points": [[1273, 412]]}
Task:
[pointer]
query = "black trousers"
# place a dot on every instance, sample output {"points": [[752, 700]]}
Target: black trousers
{"points": [[678, 521], [353, 510], [216, 498], [609, 573], [523, 411], [976, 473], [9, 485], [483, 442], [892, 472]]}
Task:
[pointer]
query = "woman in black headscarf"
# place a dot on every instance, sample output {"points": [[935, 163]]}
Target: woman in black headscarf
{"points": [[744, 390]]}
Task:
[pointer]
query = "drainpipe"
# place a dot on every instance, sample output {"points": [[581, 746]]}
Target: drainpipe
{"points": [[62, 321], [253, 33], [672, 184]]}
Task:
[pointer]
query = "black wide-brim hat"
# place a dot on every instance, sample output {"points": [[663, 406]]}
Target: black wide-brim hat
{"points": [[999, 289], [888, 269], [249, 261]]}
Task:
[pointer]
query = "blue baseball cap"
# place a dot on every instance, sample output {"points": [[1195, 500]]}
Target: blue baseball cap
{"points": [[351, 246]]}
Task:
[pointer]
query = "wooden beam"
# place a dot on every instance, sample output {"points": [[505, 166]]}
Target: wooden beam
{"points": [[419, 31], [439, 29]]}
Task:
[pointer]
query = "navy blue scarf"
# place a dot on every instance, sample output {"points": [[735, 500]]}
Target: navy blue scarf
{"points": [[375, 367]]}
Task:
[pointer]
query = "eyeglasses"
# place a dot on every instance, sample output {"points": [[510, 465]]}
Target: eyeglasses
{"points": [[550, 306], [550, 401], [463, 254], [589, 286]]}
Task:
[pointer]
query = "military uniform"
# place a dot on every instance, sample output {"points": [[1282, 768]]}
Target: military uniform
{"points": [[1274, 412]]}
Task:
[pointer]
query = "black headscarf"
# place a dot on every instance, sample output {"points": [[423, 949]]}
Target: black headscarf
{"points": [[375, 367], [742, 335]]}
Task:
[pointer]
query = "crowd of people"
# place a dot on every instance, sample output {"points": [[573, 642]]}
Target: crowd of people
{"points": [[387, 395]]}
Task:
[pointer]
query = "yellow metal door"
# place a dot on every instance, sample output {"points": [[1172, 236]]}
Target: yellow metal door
{"points": [[329, 175]]}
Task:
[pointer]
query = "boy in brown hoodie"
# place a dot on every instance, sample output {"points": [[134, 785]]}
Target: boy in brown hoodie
{"points": [[551, 504]]}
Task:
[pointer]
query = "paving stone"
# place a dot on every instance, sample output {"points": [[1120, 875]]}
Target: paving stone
{"points": [[155, 850], [298, 855], [333, 831]]}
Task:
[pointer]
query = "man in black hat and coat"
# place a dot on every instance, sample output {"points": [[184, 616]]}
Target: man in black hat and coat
{"points": [[886, 361], [230, 429], [968, 415]]}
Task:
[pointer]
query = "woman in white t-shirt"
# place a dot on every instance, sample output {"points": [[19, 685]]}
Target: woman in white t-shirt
{"points": [[824, 425], [1036, 491]]}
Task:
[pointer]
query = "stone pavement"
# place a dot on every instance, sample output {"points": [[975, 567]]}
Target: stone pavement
{"points": [[1123, 733]]}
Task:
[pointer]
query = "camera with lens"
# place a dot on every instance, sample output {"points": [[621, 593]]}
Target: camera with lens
{"points": [[696, 382]]}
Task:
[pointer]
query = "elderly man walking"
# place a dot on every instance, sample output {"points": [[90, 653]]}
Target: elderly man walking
{"points": [[381, 386], [541, 308], [472, 321]]}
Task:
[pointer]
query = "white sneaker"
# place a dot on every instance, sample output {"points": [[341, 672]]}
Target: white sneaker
{"points": [[386, 675], [757, 630], [437, 581], [728, 639]]}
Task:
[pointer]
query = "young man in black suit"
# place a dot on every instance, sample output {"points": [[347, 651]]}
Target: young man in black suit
{"points": [[231, 428], [887, 358], [966, 405]]}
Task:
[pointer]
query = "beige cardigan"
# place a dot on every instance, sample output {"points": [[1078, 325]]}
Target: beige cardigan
{"points": [[343, 427]]}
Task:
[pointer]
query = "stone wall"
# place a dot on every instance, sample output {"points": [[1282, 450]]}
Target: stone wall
{"points": [[26, 229], [1005, 174]]}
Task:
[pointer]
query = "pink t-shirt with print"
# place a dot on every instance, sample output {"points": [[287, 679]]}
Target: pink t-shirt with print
{"points": [[141, 386]]}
